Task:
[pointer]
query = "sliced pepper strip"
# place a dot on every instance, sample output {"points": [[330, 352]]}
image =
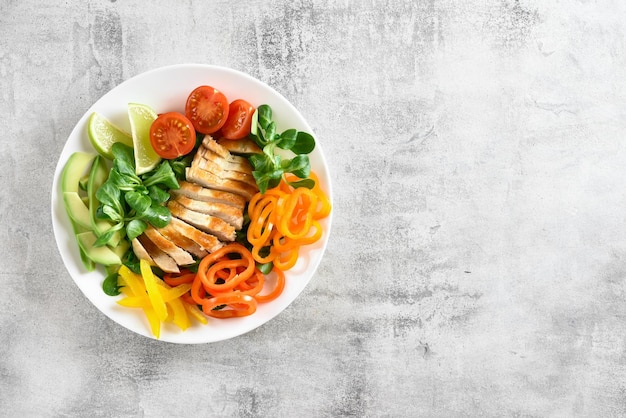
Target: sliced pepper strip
{"points": [[232, 284], [179, 317], [173, 280], [292, 223], [131, 281], [213, 263], [195, 312], [236, 304], [153, 290], [278, 288]]}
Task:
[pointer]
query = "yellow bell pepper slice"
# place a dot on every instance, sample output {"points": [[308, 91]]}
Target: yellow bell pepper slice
{"points": [[135, 302], [196, 313], [153, 320], [180, 317], [172, 293], [131, 282], [159, 301], [153, 290]]}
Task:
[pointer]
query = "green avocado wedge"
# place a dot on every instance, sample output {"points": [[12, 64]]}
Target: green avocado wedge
{"points": [[81, 206], [101, 255], [77, 210], [98, 175], [77, 165]]}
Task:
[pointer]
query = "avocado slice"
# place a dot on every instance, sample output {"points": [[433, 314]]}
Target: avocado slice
{"points": [[81, 209], [77, 210], [74, 170], [97, 176], [101, 255]]}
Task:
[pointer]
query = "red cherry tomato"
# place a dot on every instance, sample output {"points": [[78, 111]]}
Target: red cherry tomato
{"points": [[207, 109], [239, 120], [172, 135]]}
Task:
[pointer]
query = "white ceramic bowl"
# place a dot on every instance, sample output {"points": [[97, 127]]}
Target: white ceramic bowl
{"points": [[166, 89]]}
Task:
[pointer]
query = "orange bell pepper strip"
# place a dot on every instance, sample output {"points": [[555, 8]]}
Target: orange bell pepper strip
{"points": [[278, 288], [173, 280], [237, 304], [211, 264], [291, 223]]}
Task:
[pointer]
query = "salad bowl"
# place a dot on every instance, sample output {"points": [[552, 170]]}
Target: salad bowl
{"points": [[166, 89]]}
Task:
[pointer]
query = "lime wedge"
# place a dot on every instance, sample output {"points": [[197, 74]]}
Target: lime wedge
{"points": [[103, 134], [141, 118]]}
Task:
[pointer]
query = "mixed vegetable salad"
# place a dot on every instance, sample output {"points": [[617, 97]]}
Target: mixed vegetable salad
{"points": [[119, 194]]}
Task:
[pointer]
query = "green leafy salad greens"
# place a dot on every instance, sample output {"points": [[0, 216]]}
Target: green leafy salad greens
{"points": [[131, 201], [270, 167]]}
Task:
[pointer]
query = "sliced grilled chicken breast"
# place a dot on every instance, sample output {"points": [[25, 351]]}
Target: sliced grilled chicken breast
{"points": [[180, 256], [230, 214], [232, 163], [208, 242], [182, 241], [161, 259], [241, 146], [213, 146], [207, 223], [213, 167], [197, 192], [141, 252], [207, 179], [210, 143]]}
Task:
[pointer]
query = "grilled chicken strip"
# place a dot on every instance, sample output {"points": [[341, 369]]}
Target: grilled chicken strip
{"points": [[230, 214], [141, 252], [242, 146], [208, 242], [207, 223], [183, 241], [161, 259], [212, 165], [197, 192], [207, 179], [230, 163], [180, 256], [210, 143]]}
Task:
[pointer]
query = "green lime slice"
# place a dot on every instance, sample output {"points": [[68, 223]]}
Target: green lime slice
{"points": [[103, 134], [141, 118]]}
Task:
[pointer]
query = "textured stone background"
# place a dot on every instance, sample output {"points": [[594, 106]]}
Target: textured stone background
{"points": [[476, 265]]}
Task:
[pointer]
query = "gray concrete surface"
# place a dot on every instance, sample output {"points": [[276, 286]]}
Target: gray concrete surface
{"points": [[477, 262]]}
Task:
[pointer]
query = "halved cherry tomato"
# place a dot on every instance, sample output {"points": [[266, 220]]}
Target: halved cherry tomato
{"points": [[207, 109], [172, 135], [239, 120]]}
